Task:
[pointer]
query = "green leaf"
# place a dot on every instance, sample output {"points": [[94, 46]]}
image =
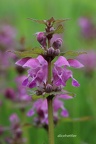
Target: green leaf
{"points": [[36, 97], [62, 92], [29, 53], [38, 21], [59, 29], [61, 20], [72, 53]]}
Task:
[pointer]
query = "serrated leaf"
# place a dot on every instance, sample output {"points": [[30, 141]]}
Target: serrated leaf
{"points": [[81, 119], [38, 21], [59, 29], [29, 53], [61, 20], [72, 53]]}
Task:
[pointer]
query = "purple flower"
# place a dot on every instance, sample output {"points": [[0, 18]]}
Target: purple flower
{"points": [[15, 129], [41, 109], [7, 35], [14, 119], [7, 41], [88, 29], [20, 94], [89, 61], [61, 74], [37, 73]]}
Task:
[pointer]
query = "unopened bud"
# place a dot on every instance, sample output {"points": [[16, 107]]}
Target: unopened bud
{"points": [[57, 43], [56, 52], [41, 38], [50, 51], [48, 88], [18, 133], [9, 94]]}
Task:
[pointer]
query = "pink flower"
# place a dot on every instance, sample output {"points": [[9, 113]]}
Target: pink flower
{"points": [[37, 73], [61, 74], [41, 109], [20, 94], [88, 29], [89, 61], [7, 35]]}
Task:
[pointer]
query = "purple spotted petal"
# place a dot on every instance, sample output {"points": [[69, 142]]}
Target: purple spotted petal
{"points": [[64, 113], [62, 61], [75, 63], [75, 83], [30, 113], [22, 61]]}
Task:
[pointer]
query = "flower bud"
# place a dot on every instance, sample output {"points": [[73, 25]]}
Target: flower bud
{"points": [[56, 52], [9, 94], [18, 133], [57, 43], [41, 38], [48, 88], [50, 51]]}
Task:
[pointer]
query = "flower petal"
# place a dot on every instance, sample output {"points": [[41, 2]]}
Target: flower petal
{"points": [[64, 96], [30, 112], [22, 61], [62, 61], [25, 82], [64, 113], [75, 83], [41, 60], [75, 63], [32, 63]]}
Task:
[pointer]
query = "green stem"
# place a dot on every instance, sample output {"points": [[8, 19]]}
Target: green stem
{"points": [[50, 110], [50, 121]]}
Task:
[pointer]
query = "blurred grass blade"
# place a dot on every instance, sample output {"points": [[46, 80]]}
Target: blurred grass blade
{"points": [[61, 20], [81, 119], [38, 21]]}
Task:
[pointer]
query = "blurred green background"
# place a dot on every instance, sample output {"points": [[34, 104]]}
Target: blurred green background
{"points": [[84, 104]]}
